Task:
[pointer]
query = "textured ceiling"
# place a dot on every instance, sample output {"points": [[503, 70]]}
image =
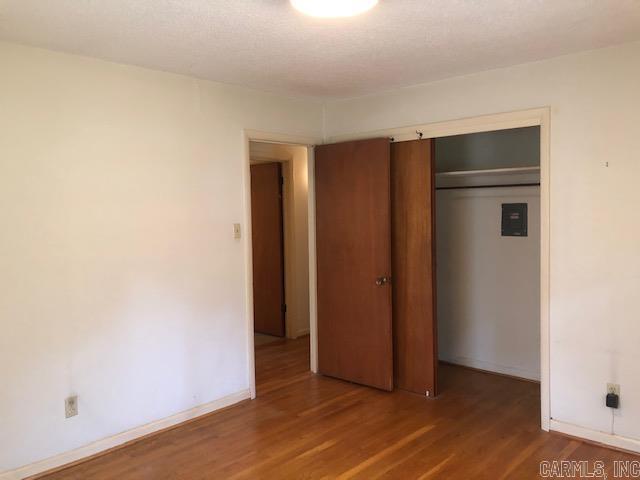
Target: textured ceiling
{"points": [[268, 45]]}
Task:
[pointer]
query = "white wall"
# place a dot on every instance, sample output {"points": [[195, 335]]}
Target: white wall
{"points": [[595, 260], [121, 281], [296, 226], [488, 285], [299, 164]]}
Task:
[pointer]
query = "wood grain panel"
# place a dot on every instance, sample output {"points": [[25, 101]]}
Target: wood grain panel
{"points": [[353, 235], [268, 249], [413, 247]]}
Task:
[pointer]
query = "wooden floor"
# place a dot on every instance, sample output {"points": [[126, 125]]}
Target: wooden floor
{"points": [[482, 426]]}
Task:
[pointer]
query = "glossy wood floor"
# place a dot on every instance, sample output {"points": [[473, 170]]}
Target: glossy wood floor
{"points": [[304, 426]]}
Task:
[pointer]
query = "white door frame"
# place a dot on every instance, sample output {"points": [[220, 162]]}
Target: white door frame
{"points": [[270, 137], [501, 121]]}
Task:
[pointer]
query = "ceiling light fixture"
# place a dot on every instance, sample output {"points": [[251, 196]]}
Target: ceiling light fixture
{"points": [[333, 8]]}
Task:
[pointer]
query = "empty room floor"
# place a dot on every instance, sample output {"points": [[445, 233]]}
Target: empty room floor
{"points": [[482, 426]]}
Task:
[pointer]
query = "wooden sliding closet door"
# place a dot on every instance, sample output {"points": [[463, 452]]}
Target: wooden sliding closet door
{"points": [[414, 298], [353, 235]]}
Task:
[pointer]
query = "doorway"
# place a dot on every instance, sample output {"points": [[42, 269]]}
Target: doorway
{"points": [[528, 118], [376, 257], [280, 253], [267, 227]]}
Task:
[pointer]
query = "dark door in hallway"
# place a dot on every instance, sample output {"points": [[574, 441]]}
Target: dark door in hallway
{"points": [[268, 249]]}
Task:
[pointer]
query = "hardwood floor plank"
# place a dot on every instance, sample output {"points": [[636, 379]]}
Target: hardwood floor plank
{"points": [[382, 453]]}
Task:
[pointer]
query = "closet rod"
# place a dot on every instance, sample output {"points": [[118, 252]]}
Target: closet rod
{"points": [[491, 186]]}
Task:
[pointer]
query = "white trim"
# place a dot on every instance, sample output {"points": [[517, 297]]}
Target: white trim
{"points": [[124, 437], [301, 333], [486, 123], [248, 266], [270, 137], [313, 278], [616, 441], [545, 267], [483, 123]]}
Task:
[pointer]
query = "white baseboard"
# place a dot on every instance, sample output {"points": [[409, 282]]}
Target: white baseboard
{"points": [[301, 333], [492, 367], [615, 441], [298, 334], [124, 437]]}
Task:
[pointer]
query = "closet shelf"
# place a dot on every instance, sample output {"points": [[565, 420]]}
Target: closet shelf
{"points": [[489, 171]]}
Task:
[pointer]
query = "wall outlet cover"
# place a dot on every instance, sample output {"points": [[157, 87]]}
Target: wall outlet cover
{"points": [[71, 406], [613, 388]]}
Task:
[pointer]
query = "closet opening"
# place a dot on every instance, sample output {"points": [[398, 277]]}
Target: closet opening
{"points": [[487, 230], [431, 248]]}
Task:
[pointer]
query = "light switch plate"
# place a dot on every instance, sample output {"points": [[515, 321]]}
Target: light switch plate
{"points": [[237, 233]]}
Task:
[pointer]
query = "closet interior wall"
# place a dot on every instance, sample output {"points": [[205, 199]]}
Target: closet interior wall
{"points": [[488, 284]]}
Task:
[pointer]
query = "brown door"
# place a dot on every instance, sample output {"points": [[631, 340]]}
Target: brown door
{"points": [[268, 249], [353, 235], [414, 299]]}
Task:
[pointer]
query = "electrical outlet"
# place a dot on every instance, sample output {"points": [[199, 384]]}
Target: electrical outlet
{"points": [[71, 406], [613, 388]]}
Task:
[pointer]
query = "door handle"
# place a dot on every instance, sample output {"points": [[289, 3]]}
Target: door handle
{"points": [[383, 281]]}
